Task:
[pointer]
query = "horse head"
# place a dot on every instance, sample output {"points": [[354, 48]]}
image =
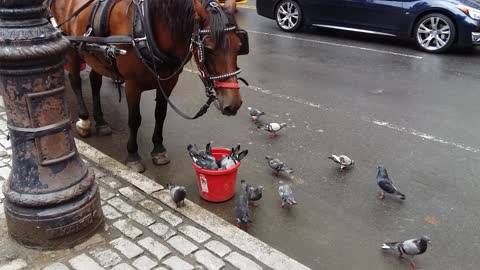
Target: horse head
{"points": [[221, 43]]}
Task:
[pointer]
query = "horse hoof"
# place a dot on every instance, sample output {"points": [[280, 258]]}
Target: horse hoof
{"points": [[136, 166], [104, 130], [83, 128], [160, 158]]}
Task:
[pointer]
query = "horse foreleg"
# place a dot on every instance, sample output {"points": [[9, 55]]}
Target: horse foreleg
{"points": [[102, 127], [159, 153], [134, 162], [83, 125]]}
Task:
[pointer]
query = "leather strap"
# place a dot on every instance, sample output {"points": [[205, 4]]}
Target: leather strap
{"points": [[232, 85]]}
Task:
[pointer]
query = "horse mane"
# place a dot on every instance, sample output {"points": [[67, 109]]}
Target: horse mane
{"points": [[180, 14]]}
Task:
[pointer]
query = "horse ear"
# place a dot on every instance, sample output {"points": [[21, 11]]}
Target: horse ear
{"points": [[230, 6], [201, 13]]}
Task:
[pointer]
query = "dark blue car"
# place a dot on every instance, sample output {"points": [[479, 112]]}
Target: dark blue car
{"points": [[435, 25]]}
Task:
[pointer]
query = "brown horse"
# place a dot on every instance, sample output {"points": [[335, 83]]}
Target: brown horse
{"points": [[173, 24]]}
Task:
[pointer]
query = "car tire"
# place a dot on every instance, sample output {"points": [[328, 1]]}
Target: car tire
{"points": [[434, 33], [288, 16]]}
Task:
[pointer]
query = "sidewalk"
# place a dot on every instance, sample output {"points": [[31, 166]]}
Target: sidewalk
{"points": [[143, 229]]}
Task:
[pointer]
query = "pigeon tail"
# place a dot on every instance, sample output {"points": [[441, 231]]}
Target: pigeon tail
{"points": [[402, 196], [288, 170], [386, 247]]}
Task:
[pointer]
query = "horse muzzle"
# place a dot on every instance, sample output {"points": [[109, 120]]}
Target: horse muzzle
{"points": [[228, 95]]}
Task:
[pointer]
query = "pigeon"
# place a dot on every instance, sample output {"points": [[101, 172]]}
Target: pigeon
{"points": [[386, 184], [178, 194], [202, 159], [410, 247], [277, 165], [286, 194], [227, 162], [274, 127], [255, 113], [242, 213], [253, 193], [343, 160]]}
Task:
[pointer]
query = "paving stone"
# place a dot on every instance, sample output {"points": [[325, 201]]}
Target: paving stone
{"points": [[123, 266], [105, 194], [242, 262], [154, 247], [182, 245], [207, 259], [5, 143], [4, 172], [98, 174], [162, 230], [94, 240], [106, 258], [56, 266], [131, 194], [144, 184], [110, 212], [177, 264], [84, 262], [111, 182], [127, 228], [144, 263], [126, 247], [170, 218], [151, 206], [218, 248], [194, 233], [121, 205], [141, 217], [14, 265]]}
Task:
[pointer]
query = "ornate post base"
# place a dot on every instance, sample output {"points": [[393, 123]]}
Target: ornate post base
{"points": [[55, 227]]}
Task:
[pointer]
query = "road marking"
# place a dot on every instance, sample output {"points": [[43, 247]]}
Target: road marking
{"points": [[247, 7], [413, 132], [337, 44]]}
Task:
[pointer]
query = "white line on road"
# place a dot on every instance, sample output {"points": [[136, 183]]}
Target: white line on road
{"points": [[413, 132], [337, 44]]}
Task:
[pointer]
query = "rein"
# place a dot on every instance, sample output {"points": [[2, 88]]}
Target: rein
{"points": [[75, 14]]}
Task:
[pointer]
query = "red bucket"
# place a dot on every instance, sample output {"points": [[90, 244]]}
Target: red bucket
{"points": [[217, 186]]}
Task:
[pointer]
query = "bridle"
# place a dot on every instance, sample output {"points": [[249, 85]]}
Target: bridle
{"points": [[197, 47]]}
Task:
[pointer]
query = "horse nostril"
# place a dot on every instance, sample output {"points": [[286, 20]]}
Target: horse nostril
{"points": [[229, 110]]}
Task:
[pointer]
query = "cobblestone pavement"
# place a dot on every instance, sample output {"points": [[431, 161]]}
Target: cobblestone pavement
{"points": [[143, 230]]}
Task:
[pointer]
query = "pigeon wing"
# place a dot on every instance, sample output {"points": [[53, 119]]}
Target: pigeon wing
{"points": [[411, 247], [387, 186]]}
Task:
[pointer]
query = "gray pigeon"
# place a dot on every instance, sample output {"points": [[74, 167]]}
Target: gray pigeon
{"points": [[253, 193], [255, 113], [277, 165], [203, 159], [410, 247], [242, 213], [274, 127], [286, 194], [343, 160], [178, 194], [386, 184]]}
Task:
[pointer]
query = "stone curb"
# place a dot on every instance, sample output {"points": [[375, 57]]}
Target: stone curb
{"points": [[211, 222]]}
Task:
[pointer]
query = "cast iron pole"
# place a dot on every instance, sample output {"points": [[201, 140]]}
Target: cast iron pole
{"points": [[52, 200]]}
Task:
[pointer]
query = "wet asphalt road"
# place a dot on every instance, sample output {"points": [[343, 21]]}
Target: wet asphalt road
{"points": [[378, 100]]}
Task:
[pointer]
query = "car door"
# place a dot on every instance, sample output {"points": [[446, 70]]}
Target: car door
{"points": [[381, 15], [324, 11]]}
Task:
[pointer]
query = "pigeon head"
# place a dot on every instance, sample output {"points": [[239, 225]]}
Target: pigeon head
{"points": [[170, 185], [382, 171], [426, 239], [268, 158], [353, 162], [261, 188], [282, 125]]}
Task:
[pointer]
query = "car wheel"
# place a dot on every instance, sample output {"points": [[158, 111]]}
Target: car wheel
{"points": [[288, 15], [435, 33]]}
